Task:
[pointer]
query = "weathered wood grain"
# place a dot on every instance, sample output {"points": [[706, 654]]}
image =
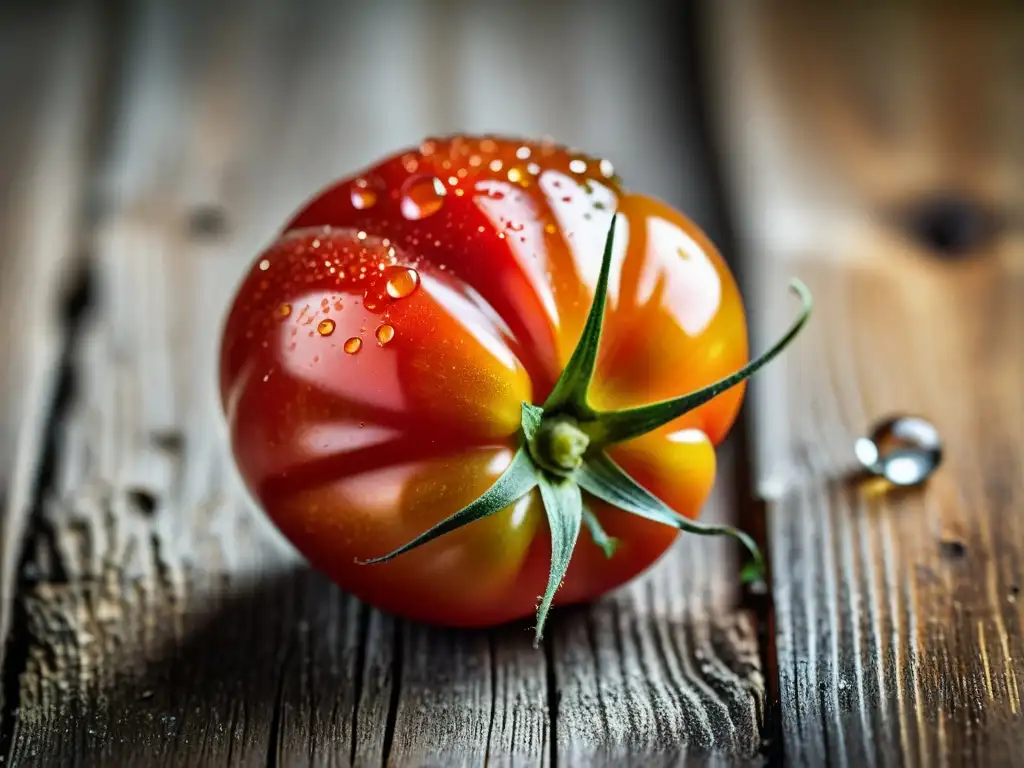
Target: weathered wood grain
{"points": [[45, 138], [899, 628], [162, 620]]}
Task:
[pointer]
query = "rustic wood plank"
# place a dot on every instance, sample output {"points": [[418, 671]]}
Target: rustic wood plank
{"points": [[164, 621], [899, 632], [45, 139]]}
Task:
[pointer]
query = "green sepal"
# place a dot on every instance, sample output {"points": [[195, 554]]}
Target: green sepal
{"points": [[564, 506], [616, 426], [570, 391], [608, 544], [532, 415], [518, 479], [752, 572], [603, 478]]}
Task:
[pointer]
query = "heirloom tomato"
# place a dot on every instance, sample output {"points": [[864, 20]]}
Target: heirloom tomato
{"points": [[446, 366]]}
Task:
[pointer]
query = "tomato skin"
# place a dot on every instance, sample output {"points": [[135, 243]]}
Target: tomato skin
{"points": [[354, 452]]}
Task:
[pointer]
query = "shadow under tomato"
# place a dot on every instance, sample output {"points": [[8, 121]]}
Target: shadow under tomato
{"points": [[286, 665]]}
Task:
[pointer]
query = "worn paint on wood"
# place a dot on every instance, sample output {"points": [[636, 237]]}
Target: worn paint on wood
{"points": [[160, 619]]}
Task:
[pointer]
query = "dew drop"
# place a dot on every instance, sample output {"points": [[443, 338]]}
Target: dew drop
{"points": [[362, 196], [353, 345], [284, 310], [523, 152], [402, 281], [495, 165], [325, 327], [361, 235], [422, 196], [384, 334], [578, 166], [606, 168], [264, 265], [905, 450], [515, 175]]}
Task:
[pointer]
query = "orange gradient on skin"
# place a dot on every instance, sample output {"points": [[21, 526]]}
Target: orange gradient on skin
{"points": [[352, 454]]}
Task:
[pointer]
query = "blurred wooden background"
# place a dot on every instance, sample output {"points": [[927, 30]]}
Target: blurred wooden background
{"points": [[147, 149]]}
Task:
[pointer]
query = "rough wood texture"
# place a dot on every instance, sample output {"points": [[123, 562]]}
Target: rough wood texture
{"points": [[899, 621], [44, 138], [161, 620]]}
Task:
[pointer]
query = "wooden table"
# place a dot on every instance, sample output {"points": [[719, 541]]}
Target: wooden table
{"points": [[151, 616]]}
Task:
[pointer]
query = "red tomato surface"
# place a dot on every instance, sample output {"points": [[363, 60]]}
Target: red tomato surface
{"points": [[376, 355]]}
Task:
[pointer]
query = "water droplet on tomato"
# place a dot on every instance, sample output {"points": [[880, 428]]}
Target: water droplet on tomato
{"points": [[422, 196], [265, 265], [362, 196], [284, 310], [384, 334], [325, 327], [353, 345], [402, 281]]}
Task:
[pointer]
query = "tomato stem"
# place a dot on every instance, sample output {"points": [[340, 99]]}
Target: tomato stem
{"points": [[559, 445]]}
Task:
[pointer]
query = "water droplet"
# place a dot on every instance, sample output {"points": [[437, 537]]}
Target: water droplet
{"points": [[578, 166], [265, 265], [325, 327], [550, 228], [606, 168], [353, 345], [532, 168], [495, 165], [402, 281], [905, 450], [410, 162], [361, 235], [284, 310], [422, 196], [523, 152], [362, 196], [515, 175], [384, 334], [452, 181]]}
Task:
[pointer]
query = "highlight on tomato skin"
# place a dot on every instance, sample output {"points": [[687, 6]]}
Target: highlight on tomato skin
{"points": [[376, 356]]}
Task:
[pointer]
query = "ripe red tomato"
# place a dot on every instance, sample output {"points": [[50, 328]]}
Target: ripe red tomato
{"points": [[376, 356]]}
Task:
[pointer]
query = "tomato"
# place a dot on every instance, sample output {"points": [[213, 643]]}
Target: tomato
{"points": [[376, 357]]}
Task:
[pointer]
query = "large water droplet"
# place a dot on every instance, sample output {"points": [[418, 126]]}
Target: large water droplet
{"points": [[422, 196], [362, 196], [401, 281], [384, 334], [353, 345], [325, 327], [905, 450]]}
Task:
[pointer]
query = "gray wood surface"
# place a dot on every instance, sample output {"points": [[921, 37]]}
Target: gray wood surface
{"points": [[160, 620], [899, 622]]}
